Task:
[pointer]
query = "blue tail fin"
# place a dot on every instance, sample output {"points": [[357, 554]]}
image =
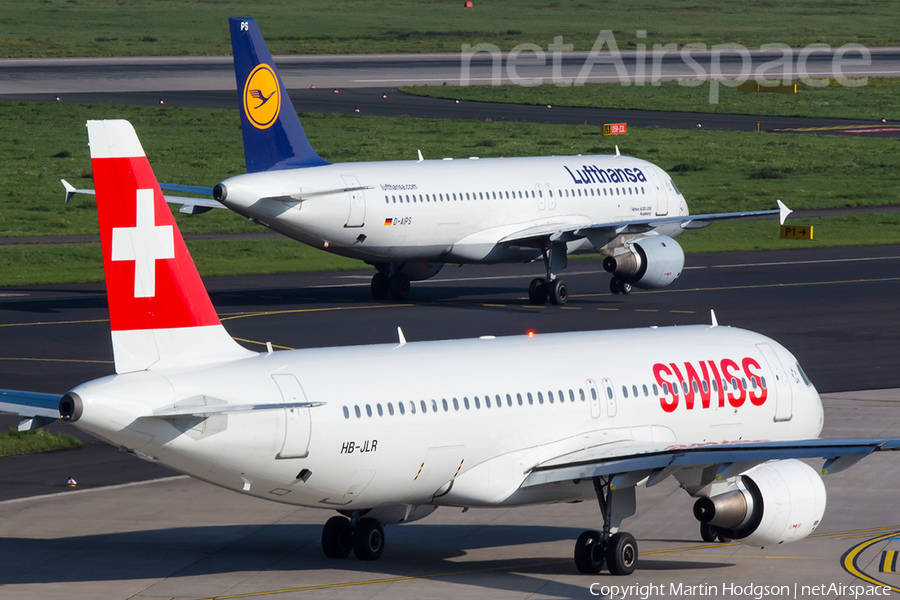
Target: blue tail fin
{"points": [[273, 136]]}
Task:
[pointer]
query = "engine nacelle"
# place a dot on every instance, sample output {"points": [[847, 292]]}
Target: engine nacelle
{"points": [[772, 503], [653, 261]]}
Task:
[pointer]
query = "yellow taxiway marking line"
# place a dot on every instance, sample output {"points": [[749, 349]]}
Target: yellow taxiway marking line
{"points": [[495, 305], [294, 311], [54, 323], [65, 360], [385, 580], [853, 554], [263, 344]]}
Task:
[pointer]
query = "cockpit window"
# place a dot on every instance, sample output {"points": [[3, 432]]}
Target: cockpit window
{"points": [[803, 375], [677, 191]]}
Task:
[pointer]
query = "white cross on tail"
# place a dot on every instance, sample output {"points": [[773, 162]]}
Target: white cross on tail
{"points": [[145, 243]]}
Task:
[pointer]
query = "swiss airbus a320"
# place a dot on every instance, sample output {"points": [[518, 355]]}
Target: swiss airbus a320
{"points": [[727, 412]]}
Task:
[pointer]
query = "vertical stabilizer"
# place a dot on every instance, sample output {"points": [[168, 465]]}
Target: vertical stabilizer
{"points": [[273, 136], [160, 313]]}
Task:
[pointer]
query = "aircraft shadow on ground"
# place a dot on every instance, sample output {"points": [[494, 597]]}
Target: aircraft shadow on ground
{"points": [[211, 550]]}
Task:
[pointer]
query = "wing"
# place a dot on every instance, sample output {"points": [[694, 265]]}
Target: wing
{"points": [[189, 206], [566, 233], [35, 409], [644, 460]]}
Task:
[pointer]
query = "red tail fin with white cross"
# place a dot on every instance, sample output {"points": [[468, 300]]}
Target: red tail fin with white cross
{"points": [[160, 313]]}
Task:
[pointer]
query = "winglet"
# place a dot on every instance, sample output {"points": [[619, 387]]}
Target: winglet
{"points": [[784, 211]]}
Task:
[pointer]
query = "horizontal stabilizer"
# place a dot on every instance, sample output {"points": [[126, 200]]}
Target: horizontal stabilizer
{"points": [[36, 409]]}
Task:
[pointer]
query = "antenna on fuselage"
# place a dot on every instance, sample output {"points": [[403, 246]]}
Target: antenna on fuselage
{"points": [[617, 150], [402, 339], [712, 316], [421, 158]]}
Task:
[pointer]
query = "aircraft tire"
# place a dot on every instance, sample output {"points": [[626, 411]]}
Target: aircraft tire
{"points": [[589, 553], [615, 285], [707, 534], [624, 287], [381, 286], [337, 538], [621, 554], [400, 287], [368, 539], [558, 292], [537, 291]]}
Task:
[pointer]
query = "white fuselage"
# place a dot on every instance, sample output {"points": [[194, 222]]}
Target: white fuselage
{"points": [[452, 210], [456, 422]]}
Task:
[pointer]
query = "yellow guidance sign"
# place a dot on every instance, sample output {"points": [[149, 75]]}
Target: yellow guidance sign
{"points": [[797, 232]]}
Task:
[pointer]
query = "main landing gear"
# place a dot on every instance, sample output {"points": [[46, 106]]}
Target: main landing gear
{"points": [[397, 286], [618, 550], [619, 286], [364, 537], [550, 288]]}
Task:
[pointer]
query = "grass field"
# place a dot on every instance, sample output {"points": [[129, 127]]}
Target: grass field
{"points": [[877, 100], [54, 28], [717, 171], [31, 442]]}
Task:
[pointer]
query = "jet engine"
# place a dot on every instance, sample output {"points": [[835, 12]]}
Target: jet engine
{"points": [[653, 261], [772, 503]]}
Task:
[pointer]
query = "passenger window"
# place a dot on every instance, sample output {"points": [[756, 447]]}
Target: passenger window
{"points": [[402, 409], [412, 406], [634, 389], [369, 410], [346, 413], [666, 388], [571, 395], [530, 398], [380, 411], [540, 398], [356, 410], [519, 398], [624, 392], [478, 402], [609, 393], [581, 393], [593, 394], [705, 387], [646, 393], [386, 200], [655, 390], [715, 385], [764, 383], [466, 402], [424, 406], [434, 405], [684, 386], [390, 409], [694, 387]]}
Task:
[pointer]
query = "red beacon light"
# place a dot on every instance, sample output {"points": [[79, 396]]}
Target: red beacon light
{"points": [[530, 333]]}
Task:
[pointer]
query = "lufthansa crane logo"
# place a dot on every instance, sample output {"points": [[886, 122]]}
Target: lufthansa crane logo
{"points": [[262, 97]]}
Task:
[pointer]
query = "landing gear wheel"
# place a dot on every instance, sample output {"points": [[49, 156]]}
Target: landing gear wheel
{"points": [[614, 285], [400, 287], [537, 291], [368, 539], [707, 533], [625, 287], [381, 286], [621, 554], [589, 553], [558, 292], [337, 537]]}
